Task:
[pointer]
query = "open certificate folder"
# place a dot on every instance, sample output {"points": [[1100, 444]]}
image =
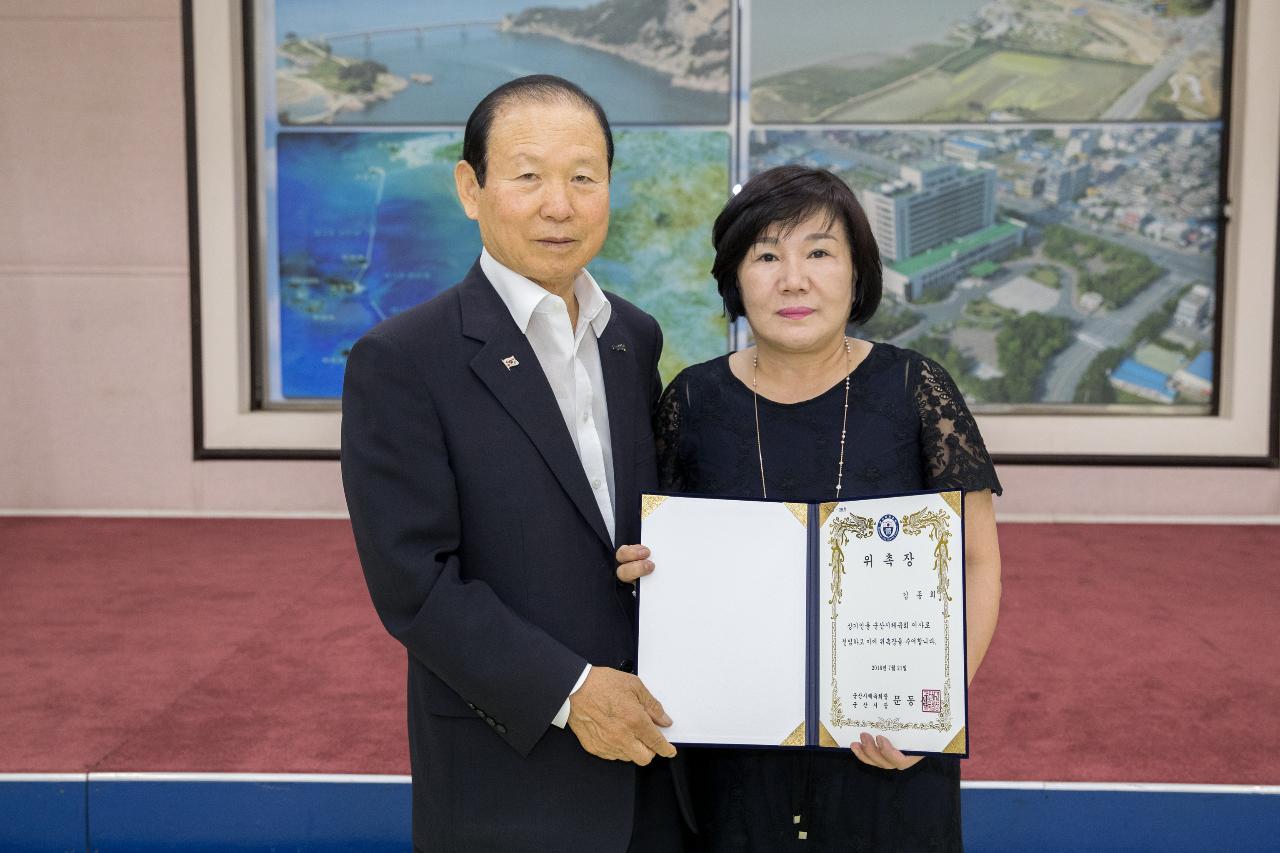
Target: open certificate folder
{"points": [[785, 624]]}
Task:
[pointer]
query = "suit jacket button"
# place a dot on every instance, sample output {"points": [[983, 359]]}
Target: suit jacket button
{"points": [[627, 665]]}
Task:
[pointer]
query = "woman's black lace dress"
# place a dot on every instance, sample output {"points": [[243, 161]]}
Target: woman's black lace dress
{"points": [[908, 430]]}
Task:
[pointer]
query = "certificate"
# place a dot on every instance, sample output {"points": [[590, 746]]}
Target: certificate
{"points": [[804, 625]]}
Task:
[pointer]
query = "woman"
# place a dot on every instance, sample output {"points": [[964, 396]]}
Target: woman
{"points": [[811, 414]]}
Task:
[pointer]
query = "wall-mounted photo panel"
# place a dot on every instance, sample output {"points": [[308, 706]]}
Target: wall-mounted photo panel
{"points": [[1069, 266], [406, 62], [368, 224], [983, 61], [1076, 205]]}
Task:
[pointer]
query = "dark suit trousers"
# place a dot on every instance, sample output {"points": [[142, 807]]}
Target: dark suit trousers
{"points": [[659, 826]]}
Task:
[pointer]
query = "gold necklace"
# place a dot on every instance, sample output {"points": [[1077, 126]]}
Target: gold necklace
{"points": [[844, 420]]}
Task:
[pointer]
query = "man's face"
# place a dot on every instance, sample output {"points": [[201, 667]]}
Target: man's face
{"points": [[544, 208]]}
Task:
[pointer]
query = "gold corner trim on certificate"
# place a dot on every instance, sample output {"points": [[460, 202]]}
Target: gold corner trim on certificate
{"points": [[649, 503], [797, 737], [800, 511], [959, 744], [825, 510], [955, 500]]}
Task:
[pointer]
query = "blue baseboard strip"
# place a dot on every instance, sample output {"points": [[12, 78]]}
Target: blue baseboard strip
{"points": [[1170, 819], [43, 813], [141, 812], [195, 812]]}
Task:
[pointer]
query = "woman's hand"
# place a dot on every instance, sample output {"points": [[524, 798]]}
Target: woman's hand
{"points": [[879, 752], [632, 563]]}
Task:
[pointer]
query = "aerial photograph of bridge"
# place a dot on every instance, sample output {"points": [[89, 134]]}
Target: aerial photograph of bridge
{"points": [[986, 61], [404, 62], [1043, 267]]}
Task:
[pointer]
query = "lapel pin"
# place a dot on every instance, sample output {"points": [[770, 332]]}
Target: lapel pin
{"points": [[510, 362], [619, 347]]}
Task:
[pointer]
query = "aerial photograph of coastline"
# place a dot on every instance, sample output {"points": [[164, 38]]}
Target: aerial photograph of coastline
{"points": [[405, 62], [369, 225], [960, 61], [1065, 266]]}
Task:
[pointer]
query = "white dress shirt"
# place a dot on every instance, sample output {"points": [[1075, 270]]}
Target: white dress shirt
{"points": [[570, 358]]}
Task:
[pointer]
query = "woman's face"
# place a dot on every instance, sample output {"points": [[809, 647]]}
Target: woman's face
{"points": [[797, 287]]}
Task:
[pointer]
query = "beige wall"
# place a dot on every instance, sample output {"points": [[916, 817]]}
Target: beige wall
{"points": [[95, 377]]}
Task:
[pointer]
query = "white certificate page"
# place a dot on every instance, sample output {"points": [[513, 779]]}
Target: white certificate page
{"points": [[722, 618], [892, 639]]}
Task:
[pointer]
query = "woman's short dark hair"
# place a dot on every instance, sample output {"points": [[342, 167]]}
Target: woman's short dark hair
{"points": [[542, 88], [785, 196]]}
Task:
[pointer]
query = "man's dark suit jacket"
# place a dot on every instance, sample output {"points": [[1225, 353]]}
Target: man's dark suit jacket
{"points": [[486, 556]]}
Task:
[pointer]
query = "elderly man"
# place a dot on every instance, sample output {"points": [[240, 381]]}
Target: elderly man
{"points": [[494, 444]]}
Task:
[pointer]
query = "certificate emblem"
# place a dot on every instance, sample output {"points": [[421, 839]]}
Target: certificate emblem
{"points": [[931, 701], [888, 527]]}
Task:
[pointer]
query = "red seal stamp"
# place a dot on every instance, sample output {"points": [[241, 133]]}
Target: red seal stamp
{"points": [[931, 701]]}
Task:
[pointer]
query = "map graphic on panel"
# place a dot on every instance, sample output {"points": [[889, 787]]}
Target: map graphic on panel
{"points": [[398, 62], [960, 61], [369, 225], [668, 188], [1055, 265]]}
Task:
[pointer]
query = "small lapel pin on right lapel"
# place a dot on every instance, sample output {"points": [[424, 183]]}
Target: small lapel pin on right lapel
{"points": [[619, 347], [510, 362]]}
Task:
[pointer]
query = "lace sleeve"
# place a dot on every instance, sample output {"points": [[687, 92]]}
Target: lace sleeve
{"points": [[666, 435], [954, 455]]}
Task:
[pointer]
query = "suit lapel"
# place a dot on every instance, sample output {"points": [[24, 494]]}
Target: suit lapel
{"points": [[523, 390], [621, 379]]}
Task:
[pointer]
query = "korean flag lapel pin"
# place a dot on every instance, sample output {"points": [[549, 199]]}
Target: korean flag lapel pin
{"points": [[510, 362]]}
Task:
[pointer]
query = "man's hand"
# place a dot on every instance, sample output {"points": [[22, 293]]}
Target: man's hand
{"points": [[633, 563], [615, 717], [879, 752]]}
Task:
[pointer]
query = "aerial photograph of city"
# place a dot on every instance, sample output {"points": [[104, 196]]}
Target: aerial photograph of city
{"points": [[1040, 266], [986, 61]]}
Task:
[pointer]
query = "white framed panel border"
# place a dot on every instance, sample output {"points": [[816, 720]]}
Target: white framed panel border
{"points": [[226, 422]]}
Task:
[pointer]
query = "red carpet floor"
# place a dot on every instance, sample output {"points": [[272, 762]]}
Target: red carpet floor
{"points": [[1136, 653]]}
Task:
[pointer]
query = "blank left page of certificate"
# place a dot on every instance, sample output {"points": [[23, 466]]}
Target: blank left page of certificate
{"points": [[722, 618]]}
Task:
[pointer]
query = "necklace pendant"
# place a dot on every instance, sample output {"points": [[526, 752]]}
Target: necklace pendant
{"points": [[844, 420]]}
